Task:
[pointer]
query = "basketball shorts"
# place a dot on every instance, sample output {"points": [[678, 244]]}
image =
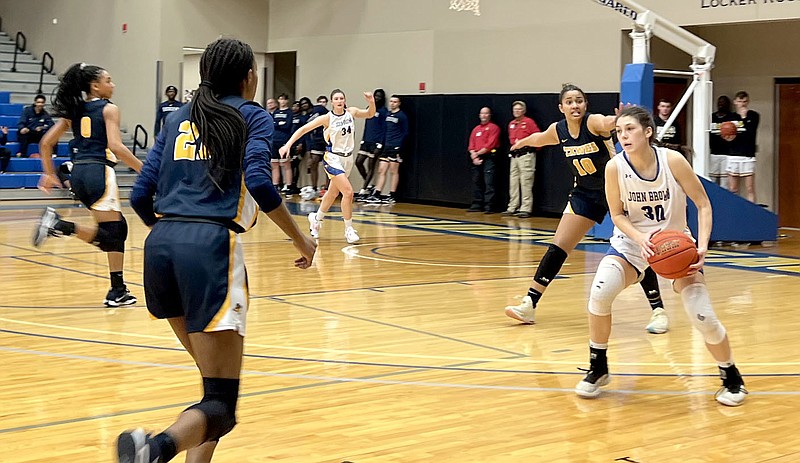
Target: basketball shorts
{"points": [[717, 165], [587, 203], [196, 270], [391, 154], [318, 147], [336, 164], [276, 155], [95, 185], [370, 149], [630, 250], [741, 166]]}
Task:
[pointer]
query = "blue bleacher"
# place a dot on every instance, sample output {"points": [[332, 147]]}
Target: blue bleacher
{"points": [[22, 172]]}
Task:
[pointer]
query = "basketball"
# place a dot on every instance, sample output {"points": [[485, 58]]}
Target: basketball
{"points": [[727, 130], [35, 156], [674, 253]]}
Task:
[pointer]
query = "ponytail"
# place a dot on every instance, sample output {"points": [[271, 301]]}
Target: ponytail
{"points": [[69, 101], [222, 130]]}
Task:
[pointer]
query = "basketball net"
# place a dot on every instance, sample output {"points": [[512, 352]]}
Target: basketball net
{"points": [[466, 5]]}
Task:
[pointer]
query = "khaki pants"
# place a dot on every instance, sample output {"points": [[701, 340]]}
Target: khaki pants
{"points": [[521, 180]]}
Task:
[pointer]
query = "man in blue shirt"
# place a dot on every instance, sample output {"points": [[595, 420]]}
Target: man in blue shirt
{"points": [[166, 108], [396, 130], [32, 125]]}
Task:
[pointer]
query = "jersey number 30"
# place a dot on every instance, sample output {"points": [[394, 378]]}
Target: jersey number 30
{"points": [[186, 143], [656, 214], [585, 166]]}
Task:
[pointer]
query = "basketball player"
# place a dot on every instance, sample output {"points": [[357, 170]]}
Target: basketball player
{"points": [[282, 118], [209, 172], [371, 144], [742, 159], [719, 147], [338, 160], [586, 141], [646, 189], [96, 146], [316, 139]]}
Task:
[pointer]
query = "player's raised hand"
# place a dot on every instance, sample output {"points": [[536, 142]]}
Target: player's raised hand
{"points": [[368, 96]]}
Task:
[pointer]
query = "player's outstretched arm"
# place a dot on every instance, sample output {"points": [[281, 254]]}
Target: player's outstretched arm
{"points": [[539, 139], [365, 113], [318, 122]]}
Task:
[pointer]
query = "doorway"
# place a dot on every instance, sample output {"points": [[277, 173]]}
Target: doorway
{"points": [[284, 74], [672, 90], [787, 93]]}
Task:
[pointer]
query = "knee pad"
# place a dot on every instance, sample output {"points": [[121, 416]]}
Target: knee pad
{"points": [[608, 282], [111, 236], [697, 304], [219, 406], [550, 265]]}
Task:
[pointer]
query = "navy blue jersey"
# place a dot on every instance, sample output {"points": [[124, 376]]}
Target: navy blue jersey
{"points": [[89, 132], [283, 125], [396, 128], [745, 142], [299, 120], [375, 127], [176, 173], [587, 154], [317, 134], [165, 109]]}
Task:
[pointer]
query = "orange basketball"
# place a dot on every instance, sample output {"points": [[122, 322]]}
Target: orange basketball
{"points": [[675, 252], [727, 130]]}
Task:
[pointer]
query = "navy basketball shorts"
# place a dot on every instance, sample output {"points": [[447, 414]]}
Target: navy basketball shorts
{"points": [[369, 149], [318, 147], [276, 144], [95, 185], [196, 270], [587, 203], [391, 154]]}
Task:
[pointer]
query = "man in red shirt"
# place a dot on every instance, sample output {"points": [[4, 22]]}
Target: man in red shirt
{"points": [[523, 163], [483, 143]]}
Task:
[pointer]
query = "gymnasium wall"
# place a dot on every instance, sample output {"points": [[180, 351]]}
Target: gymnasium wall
{"points": [[91, 31]]}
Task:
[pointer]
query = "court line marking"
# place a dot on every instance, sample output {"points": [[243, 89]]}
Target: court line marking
{"points": [[332, 380], [518, 358], [353, 251]]}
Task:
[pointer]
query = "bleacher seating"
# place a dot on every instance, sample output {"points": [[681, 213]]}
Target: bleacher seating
{"points": [[22, 172]]}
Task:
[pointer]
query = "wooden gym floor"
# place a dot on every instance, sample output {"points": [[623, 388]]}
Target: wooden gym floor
{"points": [[397, 350]]}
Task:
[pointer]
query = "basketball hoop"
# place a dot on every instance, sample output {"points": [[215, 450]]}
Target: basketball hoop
{"points": [[466, 5]]}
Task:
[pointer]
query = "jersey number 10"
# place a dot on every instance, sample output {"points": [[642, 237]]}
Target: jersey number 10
{"points": [[585, 166]]}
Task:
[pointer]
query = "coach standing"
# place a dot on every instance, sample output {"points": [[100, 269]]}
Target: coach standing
{"points": [[483, 143], [523, 163]]}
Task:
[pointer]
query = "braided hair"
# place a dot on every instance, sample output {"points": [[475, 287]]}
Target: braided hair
{"points": [[222, 130], [76, 81]]}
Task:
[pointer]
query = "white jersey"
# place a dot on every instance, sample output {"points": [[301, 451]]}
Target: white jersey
{"points": [[340, 134], [651, 204]]}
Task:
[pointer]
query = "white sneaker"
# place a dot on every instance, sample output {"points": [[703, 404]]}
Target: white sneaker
{"points": [[525, 312], [132, 447], [350, 235], [314, 225], [732, 397], [589, 387], [45, 226], [659, 322]]}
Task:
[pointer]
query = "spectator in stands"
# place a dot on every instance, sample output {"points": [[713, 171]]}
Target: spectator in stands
{"points": [[483, 143], [523, 163], [32, 124], [395, 133], [671, 138], [5, 154], [272, 105], [167, 107]]}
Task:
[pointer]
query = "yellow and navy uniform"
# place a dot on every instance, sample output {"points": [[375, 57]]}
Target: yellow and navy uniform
{"points": [[193, 262], [587, 155], [94, 181]]}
